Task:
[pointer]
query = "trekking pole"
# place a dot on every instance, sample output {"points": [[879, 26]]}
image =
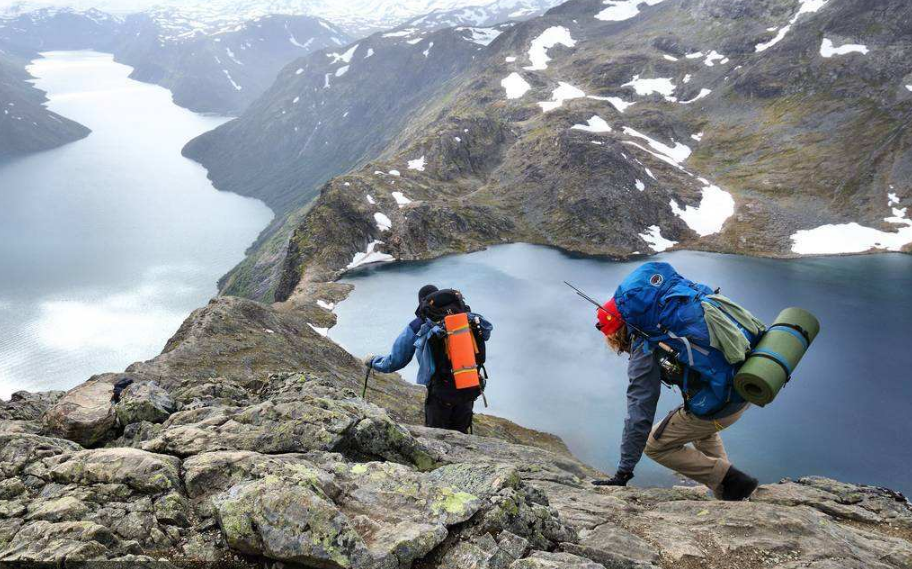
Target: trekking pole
{"points": [[370, 368]]}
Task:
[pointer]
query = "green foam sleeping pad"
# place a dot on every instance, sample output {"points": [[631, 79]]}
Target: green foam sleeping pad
{"points": [[770, 365]]}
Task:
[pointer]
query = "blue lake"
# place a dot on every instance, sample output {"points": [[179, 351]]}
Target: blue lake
{"points": [[845, 414], [108, 243]]}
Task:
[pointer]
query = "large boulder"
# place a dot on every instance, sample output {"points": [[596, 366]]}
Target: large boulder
{"points": [[85, 414], [290, 522], [144, 401], [334, 513], [297, 413]]}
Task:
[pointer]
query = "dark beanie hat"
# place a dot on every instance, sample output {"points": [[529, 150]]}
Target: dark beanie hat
{"points": [[425, 291]]}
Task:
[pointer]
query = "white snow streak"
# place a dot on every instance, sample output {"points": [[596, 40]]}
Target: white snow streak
{"points": [[653, 236], [807, 7], [538, 51], [677, 154], [384, 223], [619, 10], [564, 92], [515, 85], [853, 237], [662, 85], [401, 199], [230, 80], [715, 208], [481, 36], [617, 102], [417, 164], [370, 255], [345, 57], [703, 93], [594, 125], [321, 331], [828, 50]]}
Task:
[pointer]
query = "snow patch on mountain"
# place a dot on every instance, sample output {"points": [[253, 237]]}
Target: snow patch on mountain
{"points": [[661, 85], [852, 237], [828, 50], [481, 36], [806, 7], [515, 85], [620, 10], [400, 198], [417, 164], [703, 93], [595, 125], [538, 51], [657, 243], [384, 223], [369, 256], [564, 92]]}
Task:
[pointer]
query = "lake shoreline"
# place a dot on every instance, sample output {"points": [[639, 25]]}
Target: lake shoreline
{"points": [[108, 260]]}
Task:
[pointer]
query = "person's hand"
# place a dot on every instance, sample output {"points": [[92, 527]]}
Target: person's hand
{"points": [[620, 478], [368, 360]]}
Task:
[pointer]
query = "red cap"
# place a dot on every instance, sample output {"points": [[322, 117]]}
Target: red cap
{"points": [[609, 319]]}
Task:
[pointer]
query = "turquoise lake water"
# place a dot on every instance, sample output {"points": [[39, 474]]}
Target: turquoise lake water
{"points": [[845, 414]]}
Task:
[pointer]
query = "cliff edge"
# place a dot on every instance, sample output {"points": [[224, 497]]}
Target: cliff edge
{"points": [[246, 442]]}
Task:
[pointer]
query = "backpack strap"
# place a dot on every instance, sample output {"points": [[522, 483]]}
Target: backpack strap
{"points": [[775, 357]]}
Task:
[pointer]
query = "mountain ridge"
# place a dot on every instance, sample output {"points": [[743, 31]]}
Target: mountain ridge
{"points": [[678, 138], [205, 459]]}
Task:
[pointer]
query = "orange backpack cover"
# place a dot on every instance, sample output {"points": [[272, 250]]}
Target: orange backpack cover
{"points": [[461, 349]]}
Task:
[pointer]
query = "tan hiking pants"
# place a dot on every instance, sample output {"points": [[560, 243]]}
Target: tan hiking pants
{"points": [[705, 461]]}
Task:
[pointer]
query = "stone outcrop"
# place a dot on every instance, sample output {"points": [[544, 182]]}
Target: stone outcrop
{"points": [[300, 470], [217, 454], [85, 414]]}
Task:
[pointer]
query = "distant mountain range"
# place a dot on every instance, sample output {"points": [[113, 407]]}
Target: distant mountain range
{"points": [[218, 56], [775, 128], [356, 17]]}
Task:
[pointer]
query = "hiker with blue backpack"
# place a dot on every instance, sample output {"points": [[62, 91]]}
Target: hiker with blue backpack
{"points": [[721, 358], [449, 341]]}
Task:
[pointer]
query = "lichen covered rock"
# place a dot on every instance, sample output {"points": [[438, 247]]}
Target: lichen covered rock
{"points": [[85, 414], [144, 401]]}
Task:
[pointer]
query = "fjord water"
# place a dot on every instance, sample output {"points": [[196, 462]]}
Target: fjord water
{"points": [[845, 414], [108, 243]]}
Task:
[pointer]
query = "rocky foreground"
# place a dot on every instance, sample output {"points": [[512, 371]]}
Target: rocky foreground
{"points": [[246, 442]]}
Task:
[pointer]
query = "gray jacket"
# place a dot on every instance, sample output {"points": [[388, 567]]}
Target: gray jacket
{"points": [[645, 377]]}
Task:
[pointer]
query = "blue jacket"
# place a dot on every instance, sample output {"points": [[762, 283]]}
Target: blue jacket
{"points": [[414, 339]]}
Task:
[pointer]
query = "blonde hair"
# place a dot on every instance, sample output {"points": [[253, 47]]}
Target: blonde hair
{"points": [[619, 341]]}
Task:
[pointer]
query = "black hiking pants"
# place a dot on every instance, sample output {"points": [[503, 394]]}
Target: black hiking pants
{"points": [[451, 415]]}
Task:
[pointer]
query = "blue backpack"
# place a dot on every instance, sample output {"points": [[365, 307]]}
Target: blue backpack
{"points": [[661, 306]]}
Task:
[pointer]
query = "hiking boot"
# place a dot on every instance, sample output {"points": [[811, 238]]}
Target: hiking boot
{"points": [[737, 485]]}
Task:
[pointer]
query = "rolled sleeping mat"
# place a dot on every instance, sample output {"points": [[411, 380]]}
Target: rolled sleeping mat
{"points": [[771, 364]]}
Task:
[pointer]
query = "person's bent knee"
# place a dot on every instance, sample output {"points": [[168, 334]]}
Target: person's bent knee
{"points": [[653, 448]]}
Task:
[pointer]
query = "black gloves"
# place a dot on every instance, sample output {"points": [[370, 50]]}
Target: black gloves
{"points": [[620, 478]]}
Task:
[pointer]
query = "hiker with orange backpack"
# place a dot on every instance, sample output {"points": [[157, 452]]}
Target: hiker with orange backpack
{"points": [[449, 340]]}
